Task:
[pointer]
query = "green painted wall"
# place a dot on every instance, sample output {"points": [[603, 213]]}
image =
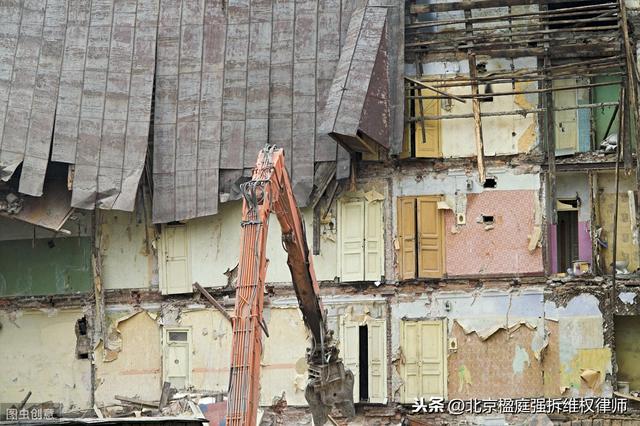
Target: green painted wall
{"points": [[32, 267], [627, 335], [602, 116]]}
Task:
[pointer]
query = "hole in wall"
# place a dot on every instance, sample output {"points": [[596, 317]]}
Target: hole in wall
{"points": [[490, 182], [487, 219], [488, 91], [82, 338]]}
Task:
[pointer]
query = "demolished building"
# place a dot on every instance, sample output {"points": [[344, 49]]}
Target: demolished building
{"points": [[467, 170]]}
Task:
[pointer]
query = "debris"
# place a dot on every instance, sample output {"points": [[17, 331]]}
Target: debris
{"points": [[24, 401], [591, 377], [279, 403], [136, 401], [213, 301], [232, 276], [164, 396], [610, 143]]}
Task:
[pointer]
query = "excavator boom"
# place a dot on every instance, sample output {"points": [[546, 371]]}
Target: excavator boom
{"points": [[329, 383]]}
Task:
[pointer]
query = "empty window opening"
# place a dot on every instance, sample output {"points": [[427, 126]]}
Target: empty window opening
{"points": [[487, 220], [488, 91], [567, 239], [82, 339], [490, 182], [584, 17], [364, 362], [626, 329]]}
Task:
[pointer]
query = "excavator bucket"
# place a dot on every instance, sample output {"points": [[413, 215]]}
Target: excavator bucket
{"points": [[330, 385]]}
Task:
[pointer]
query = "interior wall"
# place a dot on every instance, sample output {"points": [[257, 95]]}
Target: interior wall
{"points": [[211, 335], [215, 248], [38, 354], [137, 369], [474, 249], [513, 371], [627, 344], [626, 246], [128, 260]]}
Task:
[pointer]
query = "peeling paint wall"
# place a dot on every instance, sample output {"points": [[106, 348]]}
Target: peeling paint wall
{"points": [[136, 370], [502, 135], [480, 249], [283, 367], [211, 335], [128, 260], [627, 247], [513, 371], [37, 354], [627, 338], [535, 347], [215, 247]]}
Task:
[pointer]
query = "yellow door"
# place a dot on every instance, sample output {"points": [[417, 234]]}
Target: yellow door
{"points": [[424, 369], [176, 268], [432, 358], [427, 134], [350, 352], [373, 241], [352, 240], [430, 237], [407, 237]]}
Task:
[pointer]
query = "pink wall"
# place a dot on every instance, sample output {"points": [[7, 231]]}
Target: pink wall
{"points": [[499, 251]]}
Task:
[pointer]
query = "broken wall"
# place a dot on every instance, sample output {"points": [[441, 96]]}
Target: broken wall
{"points": [[38, 355], [284, 367], [128, 259], [215, 248], [132, 363], [502, 135], [535, 346], [627, 244], [211, 336], [573, 186], [473, 248]]}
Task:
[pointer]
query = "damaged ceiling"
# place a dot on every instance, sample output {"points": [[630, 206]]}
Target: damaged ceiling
{"points": [[78, 77]]}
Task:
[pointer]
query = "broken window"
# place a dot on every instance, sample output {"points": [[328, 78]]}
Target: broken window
{"points": [[423, 369], [422, 136], [177, 357], [174, 262], [363, 349], [360, 239], [420, 237]]}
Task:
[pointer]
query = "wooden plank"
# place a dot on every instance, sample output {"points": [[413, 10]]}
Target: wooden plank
{"points": [[213, 301], [473, 73], [479, 4]]}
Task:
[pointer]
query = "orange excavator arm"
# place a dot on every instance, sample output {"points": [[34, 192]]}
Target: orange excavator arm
{"points": [[329, 383]]}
